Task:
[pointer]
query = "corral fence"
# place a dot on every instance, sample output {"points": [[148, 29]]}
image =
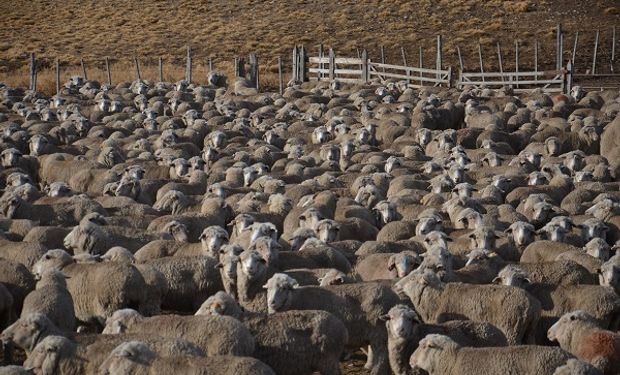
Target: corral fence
{"points": [[560, 78]]}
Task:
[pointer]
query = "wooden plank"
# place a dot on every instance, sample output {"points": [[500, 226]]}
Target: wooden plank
{"points": [[421, 60], [403, 55], [108, 70], [303, 74], [523, 82], [348, 61], [57, 76], [356, 72], [349, 80], [84, 73], [558, 32], [595, 53], [404, 77], [439, 62], [254, 70], [410, 68], [318, 70], [295, 71], [520, 74], [210, 64], [458, 51], [280, 80]]}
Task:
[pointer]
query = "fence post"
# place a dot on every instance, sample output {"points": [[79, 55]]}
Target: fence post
{"points": [[280, 81], [517, 63], [83, 64], [33, 72], [499, 58], [481, 62], [421, 61], [137, 65], [575, 47], [561, 50], [383, 58], [568, 78], [253, 69], [188, 68], [57, 76], [558, 58], [108, 71], [295, 71], [364, 66], [595, 52], [450, 77], [404, 56], [320, 74], [210, 62], [161, 69], [332, 65], [240, 67], [439, 62], [302, 64], [536, 59], [613, 49], [458, 51]]}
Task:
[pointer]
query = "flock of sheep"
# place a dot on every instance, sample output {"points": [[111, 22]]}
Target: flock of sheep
{"points": [[160, 228]]}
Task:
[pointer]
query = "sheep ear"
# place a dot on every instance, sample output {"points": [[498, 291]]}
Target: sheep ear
{"points": [[497, 280], [219, 265], [384, 317], [472, 236], [449, 239], [266, 286], [527, 280], [508, 231]]}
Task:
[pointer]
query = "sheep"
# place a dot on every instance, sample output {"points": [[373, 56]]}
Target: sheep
{"points": [[578, 333], [18, 280], [52, 299], [439, 354], [386, 266], [60, 355], [30, 330], [135, 357], [358, 305], [602, 302], [189, 280], [319, 337], [576, 367], [215, 335], [405, 330], [435, 303], [97, 289]]}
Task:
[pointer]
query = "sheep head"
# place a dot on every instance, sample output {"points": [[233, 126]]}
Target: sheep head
{"points": [[514, 276], [431, 352], [212, 239], [401, 322], [279, 292]]}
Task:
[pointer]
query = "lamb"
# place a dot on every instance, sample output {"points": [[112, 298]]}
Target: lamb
{"points": [[290, 342], [97, 289], [59, 355], [436, 303], [52, 299], [439, 354], [215, 335], [578, 333], [358, 305], [135, 357], [405, 330]]}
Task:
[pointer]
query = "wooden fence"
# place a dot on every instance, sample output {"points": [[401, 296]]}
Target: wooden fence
{"points": [[596, 73]]}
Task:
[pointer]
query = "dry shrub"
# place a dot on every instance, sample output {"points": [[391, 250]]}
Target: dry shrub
{"points": [[518, 6]]}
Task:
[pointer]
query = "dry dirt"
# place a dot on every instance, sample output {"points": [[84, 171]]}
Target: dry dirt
{"points": [[222, 29]]}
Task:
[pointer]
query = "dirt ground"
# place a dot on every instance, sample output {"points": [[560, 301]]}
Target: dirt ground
{"points": [[222, 30]]}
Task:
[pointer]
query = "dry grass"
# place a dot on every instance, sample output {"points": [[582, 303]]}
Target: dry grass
{"points": [[224, 29]]}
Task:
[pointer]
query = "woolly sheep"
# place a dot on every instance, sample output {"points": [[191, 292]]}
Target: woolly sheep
{"points": [[215, 335], [290, 342], [439, 354], [358, 305]]}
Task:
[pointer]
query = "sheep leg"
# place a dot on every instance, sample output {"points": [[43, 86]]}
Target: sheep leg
{"points": [[329, 366], [369, 360], [381, 363], [7, 353]]}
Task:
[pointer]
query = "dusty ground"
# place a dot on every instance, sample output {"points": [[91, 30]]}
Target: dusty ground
{"points": [[223, 29]]}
